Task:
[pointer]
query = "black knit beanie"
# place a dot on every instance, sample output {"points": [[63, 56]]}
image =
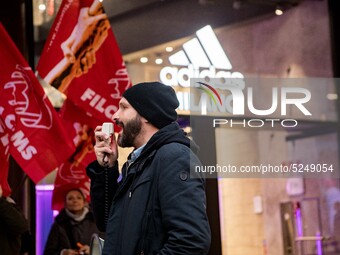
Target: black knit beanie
{"points": [[154, 101]]}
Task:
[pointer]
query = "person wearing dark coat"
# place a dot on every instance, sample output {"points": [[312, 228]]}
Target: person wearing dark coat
{"points": [[73, 227], [12, 225], [158, 206]]}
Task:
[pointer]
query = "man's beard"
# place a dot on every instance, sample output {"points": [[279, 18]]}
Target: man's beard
{"points": [[131, 130]]}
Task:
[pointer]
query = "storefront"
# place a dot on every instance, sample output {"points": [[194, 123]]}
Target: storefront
{"points": [[268, 214]]}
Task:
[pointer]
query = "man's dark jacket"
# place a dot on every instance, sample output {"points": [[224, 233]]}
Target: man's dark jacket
{"points": [[157, 208]]}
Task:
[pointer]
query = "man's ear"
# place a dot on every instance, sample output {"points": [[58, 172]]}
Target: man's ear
{"points": [[144, 120]]}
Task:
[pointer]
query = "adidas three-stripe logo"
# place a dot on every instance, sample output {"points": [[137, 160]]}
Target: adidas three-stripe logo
{"points": [[202, 52]]}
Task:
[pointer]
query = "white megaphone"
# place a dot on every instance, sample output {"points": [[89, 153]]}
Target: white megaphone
{"points": [[96, 245]]}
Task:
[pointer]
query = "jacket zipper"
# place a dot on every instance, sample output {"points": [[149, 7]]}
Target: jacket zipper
{"points": [[119, 248], [140, 166], [130, 195]]}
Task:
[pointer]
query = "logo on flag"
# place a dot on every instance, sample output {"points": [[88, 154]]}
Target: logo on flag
{"points": [[29, 115], [31, 131], [71, 174], [81, 58]]}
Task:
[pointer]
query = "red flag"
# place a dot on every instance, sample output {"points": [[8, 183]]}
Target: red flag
{"points": [[34, 134], [82, 59], [4, 160], [72, 174], [4, 164]]}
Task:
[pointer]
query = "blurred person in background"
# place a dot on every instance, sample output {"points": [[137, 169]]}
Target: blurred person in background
{"points": [[73, 228], [12, 225]]}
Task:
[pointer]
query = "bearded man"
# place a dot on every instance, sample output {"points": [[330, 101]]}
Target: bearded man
{"points": [[158, 205]]}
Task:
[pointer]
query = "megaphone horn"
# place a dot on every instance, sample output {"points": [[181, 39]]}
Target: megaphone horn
{"points": [[96, 245]]}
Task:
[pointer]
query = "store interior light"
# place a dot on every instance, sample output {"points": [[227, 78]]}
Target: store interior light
{"points": [[42, 7], [332, 96], [279, 10], [169, 49], [158, 61], [144, 59]]}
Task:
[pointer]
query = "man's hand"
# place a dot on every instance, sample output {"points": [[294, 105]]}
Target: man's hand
{"points": [[0, 191], [106, 153], [83, 248]]}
